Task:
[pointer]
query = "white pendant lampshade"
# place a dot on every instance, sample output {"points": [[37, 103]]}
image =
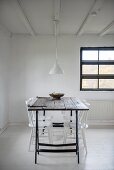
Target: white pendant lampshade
{"points": [[56, 69]]}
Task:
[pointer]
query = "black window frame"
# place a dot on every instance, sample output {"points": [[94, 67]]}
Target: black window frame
{"points": [[97, 62]]}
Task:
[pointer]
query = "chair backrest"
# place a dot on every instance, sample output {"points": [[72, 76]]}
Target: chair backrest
{"points": [[84, 115], [31, 114]]}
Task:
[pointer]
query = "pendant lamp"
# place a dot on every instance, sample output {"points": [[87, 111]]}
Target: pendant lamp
{"points": [[56, 69]]}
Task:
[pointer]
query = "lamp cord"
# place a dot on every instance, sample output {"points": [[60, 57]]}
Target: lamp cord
{"points": [[55, 21]]}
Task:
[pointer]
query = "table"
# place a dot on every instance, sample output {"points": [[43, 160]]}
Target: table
{"points": [[48, 103]]}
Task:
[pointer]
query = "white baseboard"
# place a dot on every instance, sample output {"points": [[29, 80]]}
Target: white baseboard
{"points": [[17, 123], [4, 128], [91, 123], [101, 123], [12, 124]]}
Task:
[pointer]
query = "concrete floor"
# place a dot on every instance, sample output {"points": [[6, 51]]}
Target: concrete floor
{"points": [[14, 153]]}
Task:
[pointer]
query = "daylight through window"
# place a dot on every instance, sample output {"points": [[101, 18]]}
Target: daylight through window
{"points": [[97, 68]]}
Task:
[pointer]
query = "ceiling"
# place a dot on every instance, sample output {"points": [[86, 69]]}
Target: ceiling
{"points": [[76, 17]]}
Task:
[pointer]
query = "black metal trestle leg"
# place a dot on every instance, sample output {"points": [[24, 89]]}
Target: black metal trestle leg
{"points": [[71, 120], [43, 121], [36, 137], [77, 141]]}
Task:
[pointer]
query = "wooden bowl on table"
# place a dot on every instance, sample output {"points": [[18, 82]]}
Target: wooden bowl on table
{"points": [[57, 96]]}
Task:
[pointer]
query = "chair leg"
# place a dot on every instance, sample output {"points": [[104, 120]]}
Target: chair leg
{"points": [[84, 139], [30, 142], [50, 135], [64, 135]]}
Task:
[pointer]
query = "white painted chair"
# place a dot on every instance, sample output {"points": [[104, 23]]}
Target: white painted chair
{"points": [[71, 126], [57, 130], [44, 123]]}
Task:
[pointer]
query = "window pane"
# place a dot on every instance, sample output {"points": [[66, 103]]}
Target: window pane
{"points": [[89, 83], [89, 69], [106, 69], [106, 55], [106, 83], [89, 55]]}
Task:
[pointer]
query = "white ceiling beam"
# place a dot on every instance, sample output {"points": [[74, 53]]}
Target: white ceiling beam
{"points": [[25, 18], [86, 18], [106, 29]]}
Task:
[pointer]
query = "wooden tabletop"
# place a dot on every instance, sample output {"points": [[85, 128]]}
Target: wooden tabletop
{"points": [[65, 103]]}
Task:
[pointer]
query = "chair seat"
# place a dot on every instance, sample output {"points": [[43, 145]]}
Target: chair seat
{"points": [[44, 123], [43, 118], [40, 124], [80, 125]]}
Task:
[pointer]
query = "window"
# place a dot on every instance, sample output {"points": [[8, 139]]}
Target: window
{"points": [[97, 68]]}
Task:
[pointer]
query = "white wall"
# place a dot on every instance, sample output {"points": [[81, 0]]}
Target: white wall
{"points": [[31, 60], [4, 77]]}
